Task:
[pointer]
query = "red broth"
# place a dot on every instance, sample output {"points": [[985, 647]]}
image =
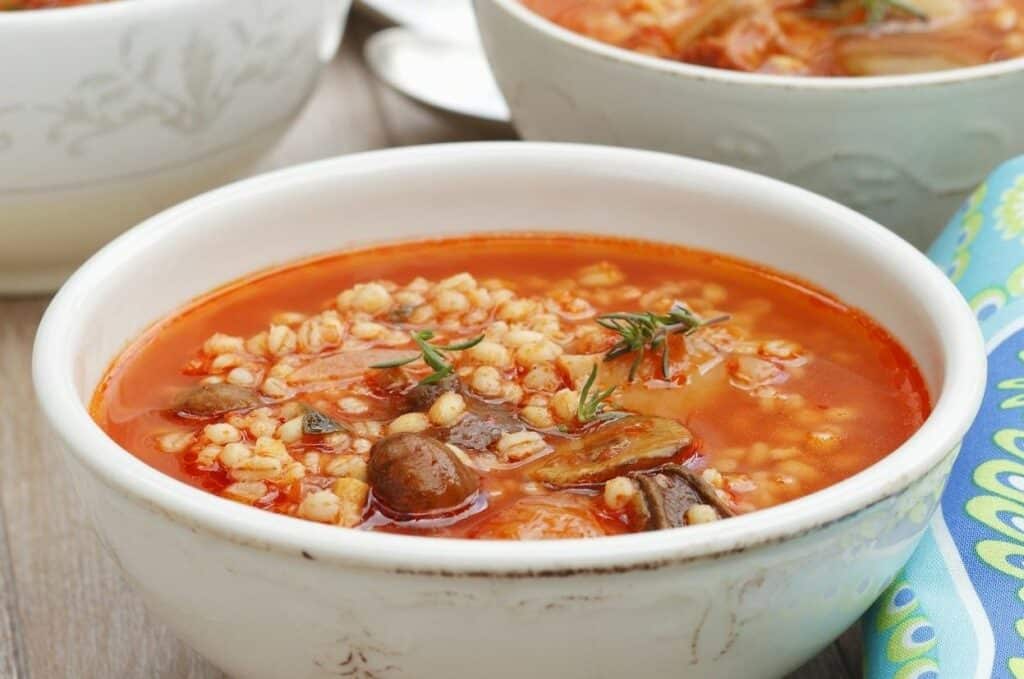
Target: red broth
{"points": [[774, 389], [11, 5]]}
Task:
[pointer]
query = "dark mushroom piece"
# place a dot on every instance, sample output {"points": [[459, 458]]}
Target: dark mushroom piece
{"points": [[422, 396], [482, 425], [316, 423], [478, 430], [210, 400], [625, 445], [413, 475], [667, 493]]}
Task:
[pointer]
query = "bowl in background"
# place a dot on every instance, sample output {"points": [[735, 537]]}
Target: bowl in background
{"points": [[110, 113], [904, 150], [264, 596]]}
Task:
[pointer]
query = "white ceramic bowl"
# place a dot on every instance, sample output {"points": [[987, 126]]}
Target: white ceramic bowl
{"points": [[904, 150], [110, 113], [266, 596]]}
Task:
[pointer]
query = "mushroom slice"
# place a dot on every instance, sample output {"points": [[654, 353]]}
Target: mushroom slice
{"points": [[628, 444], [667, 493], [210, 400]]}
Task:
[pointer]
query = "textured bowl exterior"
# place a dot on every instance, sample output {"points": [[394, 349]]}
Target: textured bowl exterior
{"points": [[115, 112], [905, 151], [265, 596]]}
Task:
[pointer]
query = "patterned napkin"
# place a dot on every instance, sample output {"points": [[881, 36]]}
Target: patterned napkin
{"points": [[957, 610]]}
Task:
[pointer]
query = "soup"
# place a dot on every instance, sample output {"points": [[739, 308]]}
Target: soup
{"points": [[44, 4], [514, 387], [803, 37]]}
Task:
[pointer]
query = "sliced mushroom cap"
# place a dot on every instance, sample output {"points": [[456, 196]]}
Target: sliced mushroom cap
{"points": [[210, 400], [414, 475], [629, 444], [666, 495]]}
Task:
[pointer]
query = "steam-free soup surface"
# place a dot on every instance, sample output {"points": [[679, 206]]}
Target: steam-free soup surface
{"points": [[803, 37], [515, 387], [11, 5]]}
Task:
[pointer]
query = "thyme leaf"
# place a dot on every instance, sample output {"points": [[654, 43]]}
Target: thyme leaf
{"points": [[592, 405], [432, 355], [641, 331]]}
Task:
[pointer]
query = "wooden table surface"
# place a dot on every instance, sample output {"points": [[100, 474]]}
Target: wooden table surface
{"points": [[65, 611]]}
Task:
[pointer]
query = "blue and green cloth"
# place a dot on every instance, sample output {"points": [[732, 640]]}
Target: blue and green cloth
{"points": [[956, 611]]}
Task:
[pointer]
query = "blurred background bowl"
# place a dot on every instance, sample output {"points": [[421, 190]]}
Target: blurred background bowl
{"points": [[112, 112], [904, 150]]}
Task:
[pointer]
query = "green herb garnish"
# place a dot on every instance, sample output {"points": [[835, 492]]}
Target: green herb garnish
{"points": [[644, 330], [875, 11], [878, 9], [592, 406], [432, 355]]}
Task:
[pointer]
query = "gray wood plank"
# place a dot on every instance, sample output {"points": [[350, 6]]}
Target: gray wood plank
{"points": [[851, 648], [12, 650], [77, 617]]}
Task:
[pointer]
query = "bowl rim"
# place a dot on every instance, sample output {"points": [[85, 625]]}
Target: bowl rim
{"points": [[540, 24], [957, 402]]}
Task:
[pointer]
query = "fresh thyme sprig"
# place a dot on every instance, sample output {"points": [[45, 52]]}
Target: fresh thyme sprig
{"points": [[642, 331], [432, 355], [592, 406]]}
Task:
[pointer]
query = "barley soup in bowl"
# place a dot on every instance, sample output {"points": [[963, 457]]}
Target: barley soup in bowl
{"points": [[736, 422]]}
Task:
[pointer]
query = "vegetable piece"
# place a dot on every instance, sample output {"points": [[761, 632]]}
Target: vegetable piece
{"points": [[432, 355], [676, 402], [316, 423], [642, 331], [210, 400], [345, 365], [542, 518], [909, 53], [667, 493], [624, 445], [414, 475]]}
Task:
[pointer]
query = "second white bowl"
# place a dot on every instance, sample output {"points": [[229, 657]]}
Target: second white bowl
{"points": [[110, 113], [905, 150]]}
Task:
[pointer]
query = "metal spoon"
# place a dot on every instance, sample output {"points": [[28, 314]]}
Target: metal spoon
{"points": [[440, 73]]}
